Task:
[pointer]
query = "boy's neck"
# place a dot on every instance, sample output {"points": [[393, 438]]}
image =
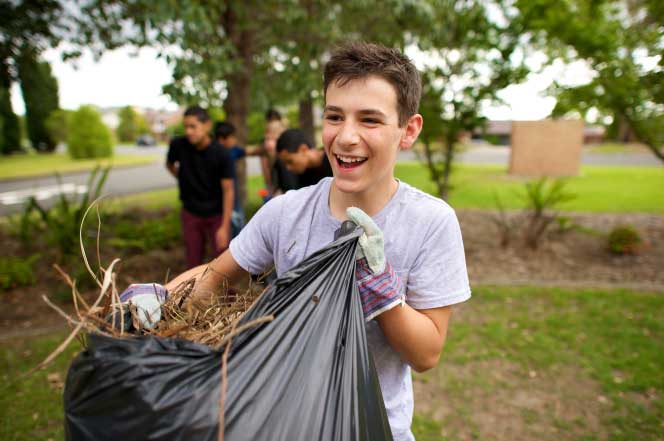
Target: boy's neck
{"points": [[371, 201], [204, 143]]}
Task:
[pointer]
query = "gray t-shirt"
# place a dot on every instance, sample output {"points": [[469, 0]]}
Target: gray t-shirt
{"points": [[422, 243]]}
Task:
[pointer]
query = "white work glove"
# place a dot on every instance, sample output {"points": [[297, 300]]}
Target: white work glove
{"points": [[371, 242], [147, 298], [380, 287]]}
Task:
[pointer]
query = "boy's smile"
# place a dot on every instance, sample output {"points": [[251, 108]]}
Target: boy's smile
{"points": [[362, 137]]}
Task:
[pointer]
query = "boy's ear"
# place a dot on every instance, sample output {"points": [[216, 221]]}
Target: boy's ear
{"points": [[413, 129]]}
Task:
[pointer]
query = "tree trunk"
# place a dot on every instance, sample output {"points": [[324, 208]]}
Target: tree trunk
{"points": [[11, 132], [236, 104], [447, 165], [433, 168], [306, 114]]}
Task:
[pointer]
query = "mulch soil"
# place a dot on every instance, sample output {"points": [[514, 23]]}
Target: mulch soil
{"points": [[578, 256]]}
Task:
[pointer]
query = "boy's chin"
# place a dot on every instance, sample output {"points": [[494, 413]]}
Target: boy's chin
{"points": [[347, 186]]}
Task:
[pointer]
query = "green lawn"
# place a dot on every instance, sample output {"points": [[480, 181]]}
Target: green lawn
{"points": [[598, 189], [558, 364], [554, 364], [29, 165]]}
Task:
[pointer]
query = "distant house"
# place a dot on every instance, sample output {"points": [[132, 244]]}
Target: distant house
{"points": [[500, 132]]}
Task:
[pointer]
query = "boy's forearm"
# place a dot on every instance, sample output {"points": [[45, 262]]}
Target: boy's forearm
{"points": [[419, 337]]}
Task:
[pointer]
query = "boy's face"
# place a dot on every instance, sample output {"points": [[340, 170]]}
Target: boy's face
{"points": [[295, 162], [228, 141], [195, 130], [273, 131], [362, 137]]}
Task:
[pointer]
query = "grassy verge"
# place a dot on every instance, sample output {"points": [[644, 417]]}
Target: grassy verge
{"points": [[31, 165], [547, 364], [168, 198], [598, 189]]}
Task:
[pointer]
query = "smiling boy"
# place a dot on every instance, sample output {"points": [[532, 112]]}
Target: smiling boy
{"points": [[412, 248]]}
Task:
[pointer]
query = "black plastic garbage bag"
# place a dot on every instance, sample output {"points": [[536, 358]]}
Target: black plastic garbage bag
{"points": [[305, 376]]}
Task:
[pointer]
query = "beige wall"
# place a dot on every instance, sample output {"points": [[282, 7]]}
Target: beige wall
{"points": [[546, 148]]}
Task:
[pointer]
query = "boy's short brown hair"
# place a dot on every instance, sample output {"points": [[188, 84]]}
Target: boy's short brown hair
{"points": [[356, 60]]}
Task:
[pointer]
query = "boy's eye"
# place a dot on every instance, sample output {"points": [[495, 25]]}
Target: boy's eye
{"points": [[370, 121], [333, 117]]}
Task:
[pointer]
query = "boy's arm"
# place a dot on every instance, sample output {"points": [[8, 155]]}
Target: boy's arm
{"points": [[228, 194], [210, 277], [417, 335]]}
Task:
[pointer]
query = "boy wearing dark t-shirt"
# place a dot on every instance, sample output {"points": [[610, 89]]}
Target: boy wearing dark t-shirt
{"points": [[204, 171], [300, 157], [224, 132]]}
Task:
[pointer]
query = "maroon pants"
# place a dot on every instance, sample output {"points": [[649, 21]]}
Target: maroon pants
{"points": [[196, 231]]}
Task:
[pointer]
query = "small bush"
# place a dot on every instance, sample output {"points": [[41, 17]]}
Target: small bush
{"points": [[624, 239], [15, 272], [87, 136]]}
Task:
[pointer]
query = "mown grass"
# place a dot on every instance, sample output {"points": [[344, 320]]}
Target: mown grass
{"points": [[597, 188], [601, 348], [531, 337], [33, 165]]}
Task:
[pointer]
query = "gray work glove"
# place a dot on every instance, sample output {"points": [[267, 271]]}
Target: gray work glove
{"points": [[371, 242], [147, 298], [381, 289]]}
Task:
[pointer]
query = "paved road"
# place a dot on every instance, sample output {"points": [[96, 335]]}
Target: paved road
{"points": [[154, 176]]}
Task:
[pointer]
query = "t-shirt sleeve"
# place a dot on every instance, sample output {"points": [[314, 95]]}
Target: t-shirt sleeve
{"points": [[173, 155], [253, 248], [439, 276], [239, 152]]}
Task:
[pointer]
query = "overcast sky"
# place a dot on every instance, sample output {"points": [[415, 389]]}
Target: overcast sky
{"points": [[120, 79]]}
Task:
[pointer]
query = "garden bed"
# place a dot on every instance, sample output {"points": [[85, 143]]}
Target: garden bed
{"points": [[149, 245]]}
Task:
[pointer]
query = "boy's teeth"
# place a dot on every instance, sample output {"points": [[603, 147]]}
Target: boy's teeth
{"points": [[349, 159]]}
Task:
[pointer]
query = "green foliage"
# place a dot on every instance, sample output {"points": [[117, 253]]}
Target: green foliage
{"points": [[132, 125], [256, 127], [40, 93], [482, 61], [175, 129], [88, 137], [62, 222], [57, 124], [16, 271], [624, 239], [127, 130], [150, 234], [614, 38]]}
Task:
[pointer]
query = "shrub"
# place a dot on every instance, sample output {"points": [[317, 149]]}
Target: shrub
{"points": [[88, 137], [57, 124], [624, 239], [543, 198], [16, 271], [63, 220]]}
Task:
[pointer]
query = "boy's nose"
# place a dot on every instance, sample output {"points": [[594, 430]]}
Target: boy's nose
{"points": [[348, 135]]}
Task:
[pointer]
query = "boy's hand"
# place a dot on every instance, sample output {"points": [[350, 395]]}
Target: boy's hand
{"points": [[380, 287], [148, 298], [371, 242]]}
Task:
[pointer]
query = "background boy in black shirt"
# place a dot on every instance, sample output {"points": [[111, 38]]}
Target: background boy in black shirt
{"points": [[204, 171], [300, 158]]}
